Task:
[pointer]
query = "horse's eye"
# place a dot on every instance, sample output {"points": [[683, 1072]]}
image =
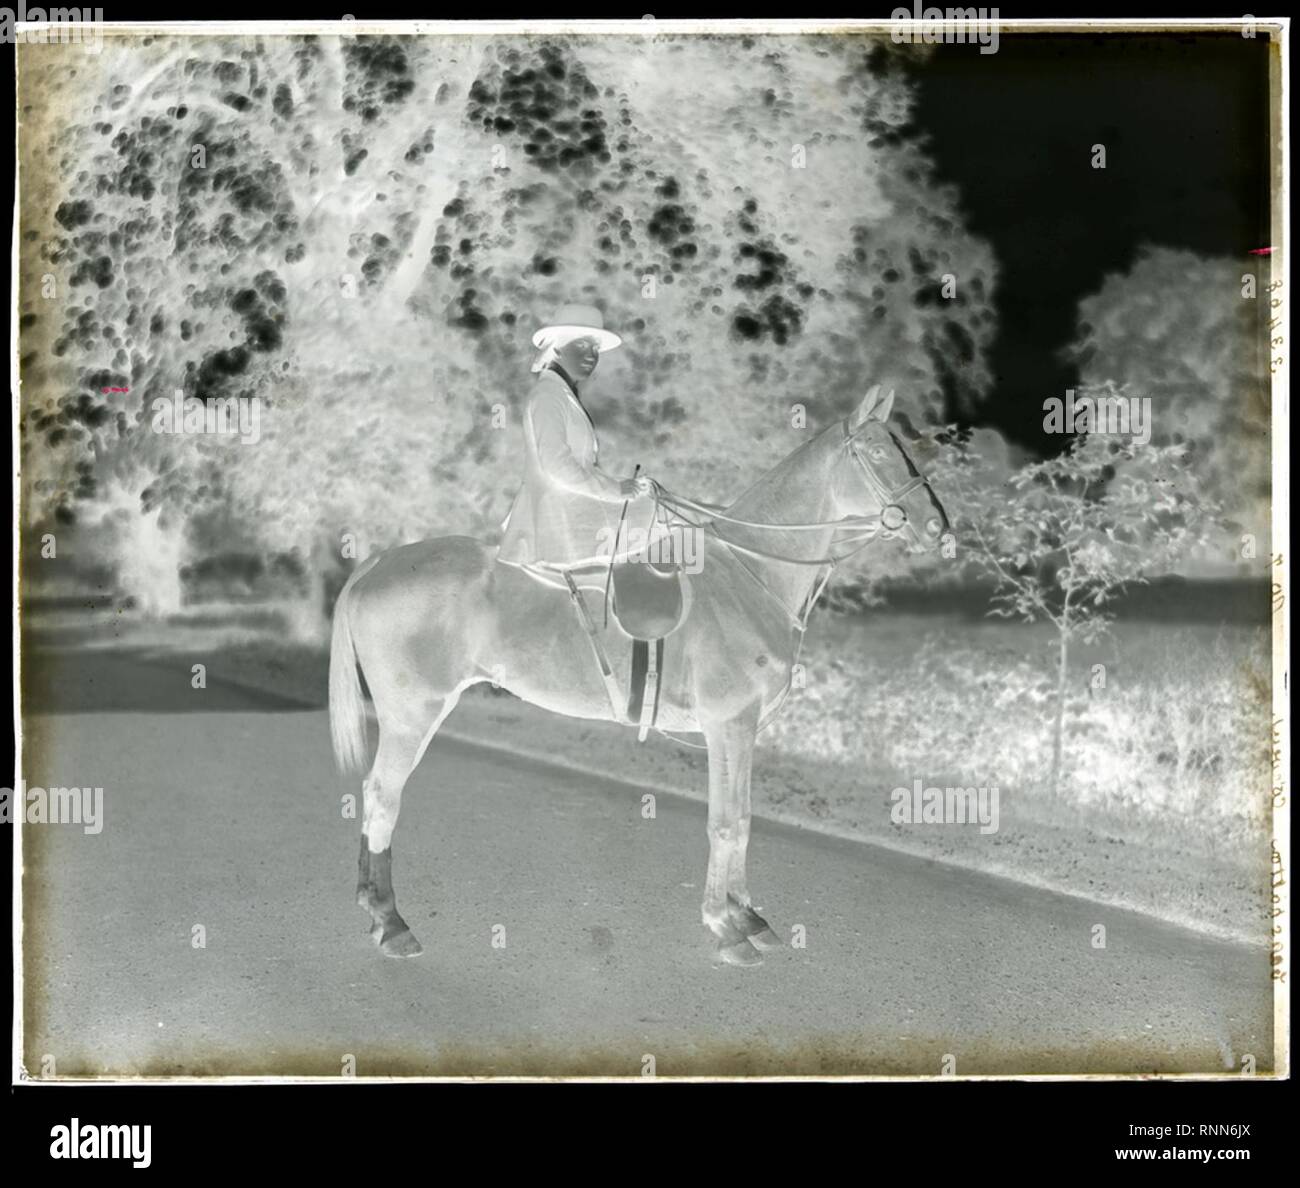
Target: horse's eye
{"points": [[876, 454]]}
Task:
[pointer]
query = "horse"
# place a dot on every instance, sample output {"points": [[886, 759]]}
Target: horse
{"points": [[426, 621]]}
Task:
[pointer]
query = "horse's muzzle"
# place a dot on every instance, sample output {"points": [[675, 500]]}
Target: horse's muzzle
{"points": [[926, 536]]}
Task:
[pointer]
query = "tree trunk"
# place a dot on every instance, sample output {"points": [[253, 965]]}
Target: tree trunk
{"points": [[147, 550], [1058, 727], [150, 569], [308, 617]]}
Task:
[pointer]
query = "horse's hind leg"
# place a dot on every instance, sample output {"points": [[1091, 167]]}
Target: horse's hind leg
{"points": [[398, 753]]}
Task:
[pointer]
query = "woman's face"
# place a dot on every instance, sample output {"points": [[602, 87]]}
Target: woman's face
{"points": [[579, 357]]}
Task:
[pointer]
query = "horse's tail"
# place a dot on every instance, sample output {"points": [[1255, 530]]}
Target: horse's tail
{"points": [[347, 709]]}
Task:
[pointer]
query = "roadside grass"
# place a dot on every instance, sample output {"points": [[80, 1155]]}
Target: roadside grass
{"points": [[1163, 722]]}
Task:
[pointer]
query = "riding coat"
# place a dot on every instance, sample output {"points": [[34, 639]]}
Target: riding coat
{"points": [[568, 509]]}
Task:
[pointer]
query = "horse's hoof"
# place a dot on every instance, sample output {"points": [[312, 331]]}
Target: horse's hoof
{"points": [[403, 944], [742, 953], [765, 940]]}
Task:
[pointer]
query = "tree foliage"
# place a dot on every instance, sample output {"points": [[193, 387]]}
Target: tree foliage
{"points": [[1186, 331], [1061, 539], [362, 233]]}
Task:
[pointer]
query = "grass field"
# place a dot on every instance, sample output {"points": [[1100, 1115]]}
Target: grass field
{"points": [[1163, 720]]}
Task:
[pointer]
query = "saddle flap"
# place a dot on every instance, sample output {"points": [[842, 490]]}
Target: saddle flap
{"points": [[649, 600]]}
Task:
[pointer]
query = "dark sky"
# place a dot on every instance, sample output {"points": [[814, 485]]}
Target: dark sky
{"points": [[1185, 125]]}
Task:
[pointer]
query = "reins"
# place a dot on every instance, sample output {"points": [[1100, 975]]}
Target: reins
{"points": [[714, 511], [857, 526], [866, 526], [862, 529]]}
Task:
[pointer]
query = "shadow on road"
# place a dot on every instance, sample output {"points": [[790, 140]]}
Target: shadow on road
{"points": [[145, 680]]}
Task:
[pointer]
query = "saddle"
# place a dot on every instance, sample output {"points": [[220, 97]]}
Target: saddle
{"points": [[651, 599], [650, 595]]}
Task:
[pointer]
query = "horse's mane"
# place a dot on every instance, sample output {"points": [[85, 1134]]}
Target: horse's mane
{"points": [[767, 479]]}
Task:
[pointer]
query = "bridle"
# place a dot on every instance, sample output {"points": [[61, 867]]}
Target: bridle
{"points": [[892, 517]]}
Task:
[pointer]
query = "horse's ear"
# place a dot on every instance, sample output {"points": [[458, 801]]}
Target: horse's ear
{"points": [[874, 407]]}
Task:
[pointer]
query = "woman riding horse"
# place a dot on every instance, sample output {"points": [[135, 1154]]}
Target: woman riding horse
{"points": [[567, 513], [427, 621]]}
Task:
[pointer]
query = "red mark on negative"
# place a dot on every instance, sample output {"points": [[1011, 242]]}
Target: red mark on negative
{"points": [[1261, 251], [107, 390]]}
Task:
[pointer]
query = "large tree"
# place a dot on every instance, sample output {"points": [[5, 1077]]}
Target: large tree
{"points": [[363, 232], [1188, 333]]}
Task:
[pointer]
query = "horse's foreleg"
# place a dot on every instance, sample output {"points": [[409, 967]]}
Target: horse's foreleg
{"points": [[740, 750], [730, 749]]}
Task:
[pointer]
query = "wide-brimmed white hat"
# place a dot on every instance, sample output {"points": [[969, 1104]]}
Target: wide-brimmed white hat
{"points": [[576, 321]]}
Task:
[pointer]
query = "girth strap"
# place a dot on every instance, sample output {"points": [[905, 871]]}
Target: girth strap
{"points": [[646, 684], [636, 688], [654, 678]]}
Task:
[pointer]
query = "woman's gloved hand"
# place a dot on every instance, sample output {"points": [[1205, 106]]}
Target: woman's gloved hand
{"points": [[632, 488]]}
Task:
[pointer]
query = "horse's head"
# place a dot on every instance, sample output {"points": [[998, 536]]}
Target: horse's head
{"points": [[881, 480]]}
